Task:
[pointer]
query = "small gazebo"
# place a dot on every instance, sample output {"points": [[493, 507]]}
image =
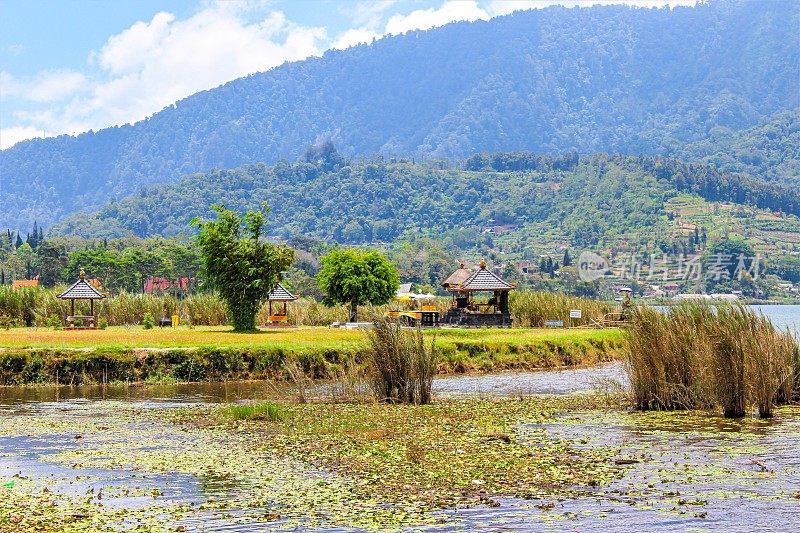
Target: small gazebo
{"points": [[281, 316], [466, 311], [81, 290]]}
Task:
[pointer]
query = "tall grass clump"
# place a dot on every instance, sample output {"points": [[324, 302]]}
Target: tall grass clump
{"points": [[255, 411], [532, 309], [695, 356], [668, 358], [400, 364]]}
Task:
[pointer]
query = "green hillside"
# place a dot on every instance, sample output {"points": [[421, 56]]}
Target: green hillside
{"points": [[607, 78], [770, 150], [589, 202]]}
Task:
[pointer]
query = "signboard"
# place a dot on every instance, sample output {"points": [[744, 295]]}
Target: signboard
{"points": [[575, 313], [554, 323]]}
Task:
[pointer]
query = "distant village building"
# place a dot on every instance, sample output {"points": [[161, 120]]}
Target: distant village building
{"points": [[690, 297], [671, 288], [706, 297], [500, 229], [525, 267], [403, 290], [725, 297], [178, 288], [20, 283]]}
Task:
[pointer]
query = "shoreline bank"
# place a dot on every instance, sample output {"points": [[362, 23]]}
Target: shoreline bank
{"points": [[97, 357]]}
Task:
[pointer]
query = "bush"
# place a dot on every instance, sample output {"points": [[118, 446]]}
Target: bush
{"points": [[400, 366], [8, 322], [103, 324], [148, 322], [54, 322]]}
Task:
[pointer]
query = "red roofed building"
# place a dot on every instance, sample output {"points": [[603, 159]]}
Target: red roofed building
{"points": [[164, 285], [19, 283]]}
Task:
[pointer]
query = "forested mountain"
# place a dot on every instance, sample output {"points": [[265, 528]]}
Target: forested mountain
{"points": [[611, 78], [591, 201], [770, 150]]}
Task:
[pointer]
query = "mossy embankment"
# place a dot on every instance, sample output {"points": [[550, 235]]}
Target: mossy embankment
{"points": [[38, 355]]}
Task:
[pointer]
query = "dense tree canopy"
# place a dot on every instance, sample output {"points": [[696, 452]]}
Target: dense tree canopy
{"points": [[587, 200], [357, 277], [239, 264]]}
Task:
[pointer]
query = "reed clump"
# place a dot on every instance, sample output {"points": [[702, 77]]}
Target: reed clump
{"points": [[695, 356], [37, 306], [400, 365], [532, 309]]}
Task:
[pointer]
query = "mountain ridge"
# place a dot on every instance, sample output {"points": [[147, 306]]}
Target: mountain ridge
{"points": [[610, 78]]}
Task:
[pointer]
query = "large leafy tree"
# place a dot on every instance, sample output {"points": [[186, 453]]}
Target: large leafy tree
{"points": [[239, 263], [357, 277]]}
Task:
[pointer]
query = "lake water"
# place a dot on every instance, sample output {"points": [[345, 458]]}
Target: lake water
{"points": [[783, 316]]}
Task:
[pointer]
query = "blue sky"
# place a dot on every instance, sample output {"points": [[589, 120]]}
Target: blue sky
{"points": [[68, 66]]}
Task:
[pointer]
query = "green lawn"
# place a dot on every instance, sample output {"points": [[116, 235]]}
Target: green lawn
{"points": [[291, 338]]}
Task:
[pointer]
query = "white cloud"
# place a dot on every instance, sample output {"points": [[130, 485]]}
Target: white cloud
{"points": [[131, 49], [421, 19], [424, 19], [152, 64], [370, 14], [11, 136], [504, 7], [45, 86], [354, 37], [158, 63]]}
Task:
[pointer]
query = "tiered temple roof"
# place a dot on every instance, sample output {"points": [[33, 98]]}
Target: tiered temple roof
{"points": [[462, 280], [81, 290], [280, 294]]}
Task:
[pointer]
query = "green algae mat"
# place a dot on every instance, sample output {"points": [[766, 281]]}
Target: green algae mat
{"points": [[543, 463]]}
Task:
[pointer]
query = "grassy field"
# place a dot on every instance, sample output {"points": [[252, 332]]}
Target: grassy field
{"points": [[222, 336], [36, 355]]}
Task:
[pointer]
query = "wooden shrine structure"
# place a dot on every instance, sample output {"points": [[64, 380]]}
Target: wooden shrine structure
{"points": [[279, 316], [466, 310]]}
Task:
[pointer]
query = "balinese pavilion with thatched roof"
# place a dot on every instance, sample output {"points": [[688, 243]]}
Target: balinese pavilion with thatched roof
{"points": [[81, 290], [465, 310], [281, 316]]}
